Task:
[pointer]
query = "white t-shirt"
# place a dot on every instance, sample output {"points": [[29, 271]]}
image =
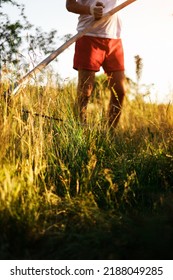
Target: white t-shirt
{"points": [[109, 29]]}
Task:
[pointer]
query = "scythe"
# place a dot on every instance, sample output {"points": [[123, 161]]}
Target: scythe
{"points": [[57, 52]]}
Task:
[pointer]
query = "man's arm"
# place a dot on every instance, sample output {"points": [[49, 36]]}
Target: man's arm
{"points": [[77, 8], [74, 7]]}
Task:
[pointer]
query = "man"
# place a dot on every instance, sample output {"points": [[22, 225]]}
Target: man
{"points": [[102, 46]]}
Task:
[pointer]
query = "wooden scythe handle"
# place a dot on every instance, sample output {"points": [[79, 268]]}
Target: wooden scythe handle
{"points": [[73, 39]]}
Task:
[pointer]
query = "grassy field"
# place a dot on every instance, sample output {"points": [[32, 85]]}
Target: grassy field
{"points": [[74, 192]]}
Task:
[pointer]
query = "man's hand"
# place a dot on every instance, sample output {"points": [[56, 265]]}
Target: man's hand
{"points": [[96, 10]]}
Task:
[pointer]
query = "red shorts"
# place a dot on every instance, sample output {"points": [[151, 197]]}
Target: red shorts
{"points": [[91, 53]]}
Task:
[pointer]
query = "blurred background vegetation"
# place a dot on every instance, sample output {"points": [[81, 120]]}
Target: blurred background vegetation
{"points": [[81, 192]]}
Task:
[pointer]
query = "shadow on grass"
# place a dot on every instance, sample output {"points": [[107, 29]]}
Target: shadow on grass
{"points": [[91, 234]]}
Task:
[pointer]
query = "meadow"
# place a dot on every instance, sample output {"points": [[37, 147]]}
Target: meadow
{"points": [[69, 191]]}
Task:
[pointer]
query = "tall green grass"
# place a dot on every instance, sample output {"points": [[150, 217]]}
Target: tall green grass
{"points": [[64, 186]]}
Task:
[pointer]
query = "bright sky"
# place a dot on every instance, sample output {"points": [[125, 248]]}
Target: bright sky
{"points": [[147, 32]]}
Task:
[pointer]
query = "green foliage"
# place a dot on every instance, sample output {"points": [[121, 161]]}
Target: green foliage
{"points": [[14, 36], [11, 33], [67, 189]]}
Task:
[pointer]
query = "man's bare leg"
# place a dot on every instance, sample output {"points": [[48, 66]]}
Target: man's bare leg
{"points": [[84, 90], [117, 87]]}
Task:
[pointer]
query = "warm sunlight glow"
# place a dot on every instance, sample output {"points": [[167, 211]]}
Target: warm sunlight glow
{"points": [[147, 31]]}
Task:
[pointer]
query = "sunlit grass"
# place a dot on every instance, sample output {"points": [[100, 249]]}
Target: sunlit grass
{"points": [[61, 181]]}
